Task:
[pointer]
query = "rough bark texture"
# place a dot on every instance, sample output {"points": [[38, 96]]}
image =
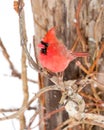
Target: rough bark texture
{"points": [[61, 13]]}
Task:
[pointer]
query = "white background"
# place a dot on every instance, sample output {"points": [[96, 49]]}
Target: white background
{"points": [[11, 94]]}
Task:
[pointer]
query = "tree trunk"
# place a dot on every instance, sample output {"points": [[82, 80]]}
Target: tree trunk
{"points": [[62, 13]]}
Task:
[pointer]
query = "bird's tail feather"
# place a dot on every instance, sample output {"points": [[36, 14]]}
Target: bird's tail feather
{"points": [[80, 54]]}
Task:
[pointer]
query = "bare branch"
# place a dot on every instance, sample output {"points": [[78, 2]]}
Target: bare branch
{"points": [[87, 118], [15, 73], [23, 38], [7, 57]]}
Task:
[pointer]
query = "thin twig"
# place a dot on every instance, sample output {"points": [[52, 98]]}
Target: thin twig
{"points": [[87, 118], [2, 110], [32, 119], [48, 115], [25, 107], [15, 73], [78, 25], [7, 57], [70, 122], [97, 58], [81, 38]]}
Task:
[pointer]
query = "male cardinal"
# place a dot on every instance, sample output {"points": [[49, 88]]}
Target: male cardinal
{"points": [[54, 55]]}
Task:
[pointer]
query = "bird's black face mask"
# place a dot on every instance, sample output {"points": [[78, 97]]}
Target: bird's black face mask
{"points": [[44, 50]]}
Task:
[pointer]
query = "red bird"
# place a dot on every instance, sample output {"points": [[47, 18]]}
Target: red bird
{"points": [[54, 55]]}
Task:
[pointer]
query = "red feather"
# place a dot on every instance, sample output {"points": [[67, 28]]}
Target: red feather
{"points": [[54, 55]]}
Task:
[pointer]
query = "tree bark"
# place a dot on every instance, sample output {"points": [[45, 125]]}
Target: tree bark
{"points": [[62, 13]]}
